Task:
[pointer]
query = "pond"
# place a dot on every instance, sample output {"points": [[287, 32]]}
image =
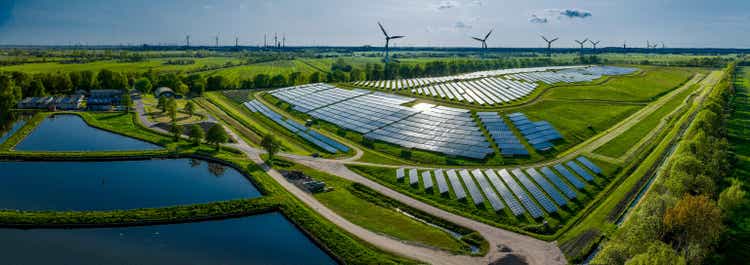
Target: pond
{"points": [[10, 125], [71, 133], [118, 184], [261, 239]]}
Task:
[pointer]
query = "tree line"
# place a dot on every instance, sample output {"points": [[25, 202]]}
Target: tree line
{"points": [[683, 219]]}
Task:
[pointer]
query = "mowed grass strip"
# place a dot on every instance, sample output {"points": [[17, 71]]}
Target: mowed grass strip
{"points": [[640, 87], [375, 217], [627, 140]]}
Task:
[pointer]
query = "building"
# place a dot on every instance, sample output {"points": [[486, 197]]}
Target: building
{"points": [[103, 93], [70, 103], [164, 92], [52, 103], [104, 99]]}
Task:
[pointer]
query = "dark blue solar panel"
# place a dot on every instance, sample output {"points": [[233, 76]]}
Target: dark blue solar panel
{"points": [[558, 182], [589, 164], [580, 171], [569, 176]]}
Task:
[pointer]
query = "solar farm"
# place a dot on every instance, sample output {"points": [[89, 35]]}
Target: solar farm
{"points": [[536, 192], [488, 88]]}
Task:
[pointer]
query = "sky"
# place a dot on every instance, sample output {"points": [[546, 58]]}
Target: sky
{"points": [[440, 23]]}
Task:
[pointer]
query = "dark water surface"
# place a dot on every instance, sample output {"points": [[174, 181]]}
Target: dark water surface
{"points": [[262, 239], [118, 184], [71, 133]]}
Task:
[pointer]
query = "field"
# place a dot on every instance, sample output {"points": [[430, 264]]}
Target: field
{"points": [[155, 64]]}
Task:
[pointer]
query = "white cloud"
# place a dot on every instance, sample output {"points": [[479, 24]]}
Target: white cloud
{"points": [[446, 4], [548, 15]]}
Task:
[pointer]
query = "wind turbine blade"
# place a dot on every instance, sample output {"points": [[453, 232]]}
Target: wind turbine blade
{"points": [[553, 40], [545, 39], [383, 29], [488, 34], [396, 37], [478, 39]]}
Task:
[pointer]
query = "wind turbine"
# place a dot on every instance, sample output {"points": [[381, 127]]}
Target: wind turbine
{"points": [[483, 41], [549, 44], [663, 46], [387, 41], [582, 43], [594, 43]]}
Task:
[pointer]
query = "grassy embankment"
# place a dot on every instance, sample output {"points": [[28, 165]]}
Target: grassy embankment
{"points": [[344, 246]]}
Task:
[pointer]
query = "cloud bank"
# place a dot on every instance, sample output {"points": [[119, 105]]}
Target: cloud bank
{"points": [[549, 15]]}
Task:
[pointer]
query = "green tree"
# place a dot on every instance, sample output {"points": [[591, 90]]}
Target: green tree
{"points": [[216, 135], [196, 134], [315, 77], [36, 89], [176, 131], [658, 254], [162, 104], [86, 81], [271, 145], [10, 94], [278, 81], [694, 224], [143, 85], [732, 198], [172, 108], [106, 79], [262, 81], [127, 102], [190, 108]]}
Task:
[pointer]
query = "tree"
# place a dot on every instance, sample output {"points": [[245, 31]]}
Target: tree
{"points": [[172, 108], [190, 108], [127, 102], [278, 81], [216, 82], [315, 77], [261, 81], [176, 131], [36, 89], [143, 85], [216, 135], [162, 104], [106, 79], [271, 145], [196, 134], [694, 224], [731, 198], [86, 81], [658, 253], [10, 94]]}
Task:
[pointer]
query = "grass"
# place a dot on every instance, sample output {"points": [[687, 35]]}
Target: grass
{"points": [[345, 202], [284, 67], [618, 146], [155, 114], [652, 83]]}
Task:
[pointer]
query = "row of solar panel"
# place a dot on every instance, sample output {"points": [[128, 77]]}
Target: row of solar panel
{"points": [[503, 136], [314, 137], [538, 134], [520, 194]]}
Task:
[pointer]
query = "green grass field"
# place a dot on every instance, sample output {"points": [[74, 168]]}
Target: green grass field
{"points": [[739, 124]]}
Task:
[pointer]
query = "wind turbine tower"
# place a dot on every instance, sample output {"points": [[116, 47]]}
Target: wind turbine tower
{"points": [[236, 42], [594, 43], [582, 43], [217, 41], [549, 44], [187, 41], [484, 42], [388, 39]]}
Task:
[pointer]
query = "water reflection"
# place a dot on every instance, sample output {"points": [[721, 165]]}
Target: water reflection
{"points": [[10, 122]]}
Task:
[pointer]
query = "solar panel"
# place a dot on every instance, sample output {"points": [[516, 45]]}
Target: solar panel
{"points": [[505, 193], [476, 195], [548, 205], [569, 176], [495, 202], [413, 177], [440, 178], [580, 171], [546, 186], [559, 183], [400, 174], [427, 180], [531, 207], [458, 189], [591, 166]]}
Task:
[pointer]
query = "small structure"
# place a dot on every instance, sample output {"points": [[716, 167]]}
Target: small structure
{"points": [[35, 103], [164, 92], [104, 99]]}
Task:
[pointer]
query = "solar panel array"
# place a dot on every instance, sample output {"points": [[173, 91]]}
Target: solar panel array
{"points": [[571, 75], [314, 137], [521, 190], [476, 195], [380, 116], [486, 187], [539, 134], [580, 171], [439, 129], [591, 166], [503, 136], [484, 91]]}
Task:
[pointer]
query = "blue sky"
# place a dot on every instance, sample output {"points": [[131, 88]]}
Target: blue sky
{"points": [[678, 23]]}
